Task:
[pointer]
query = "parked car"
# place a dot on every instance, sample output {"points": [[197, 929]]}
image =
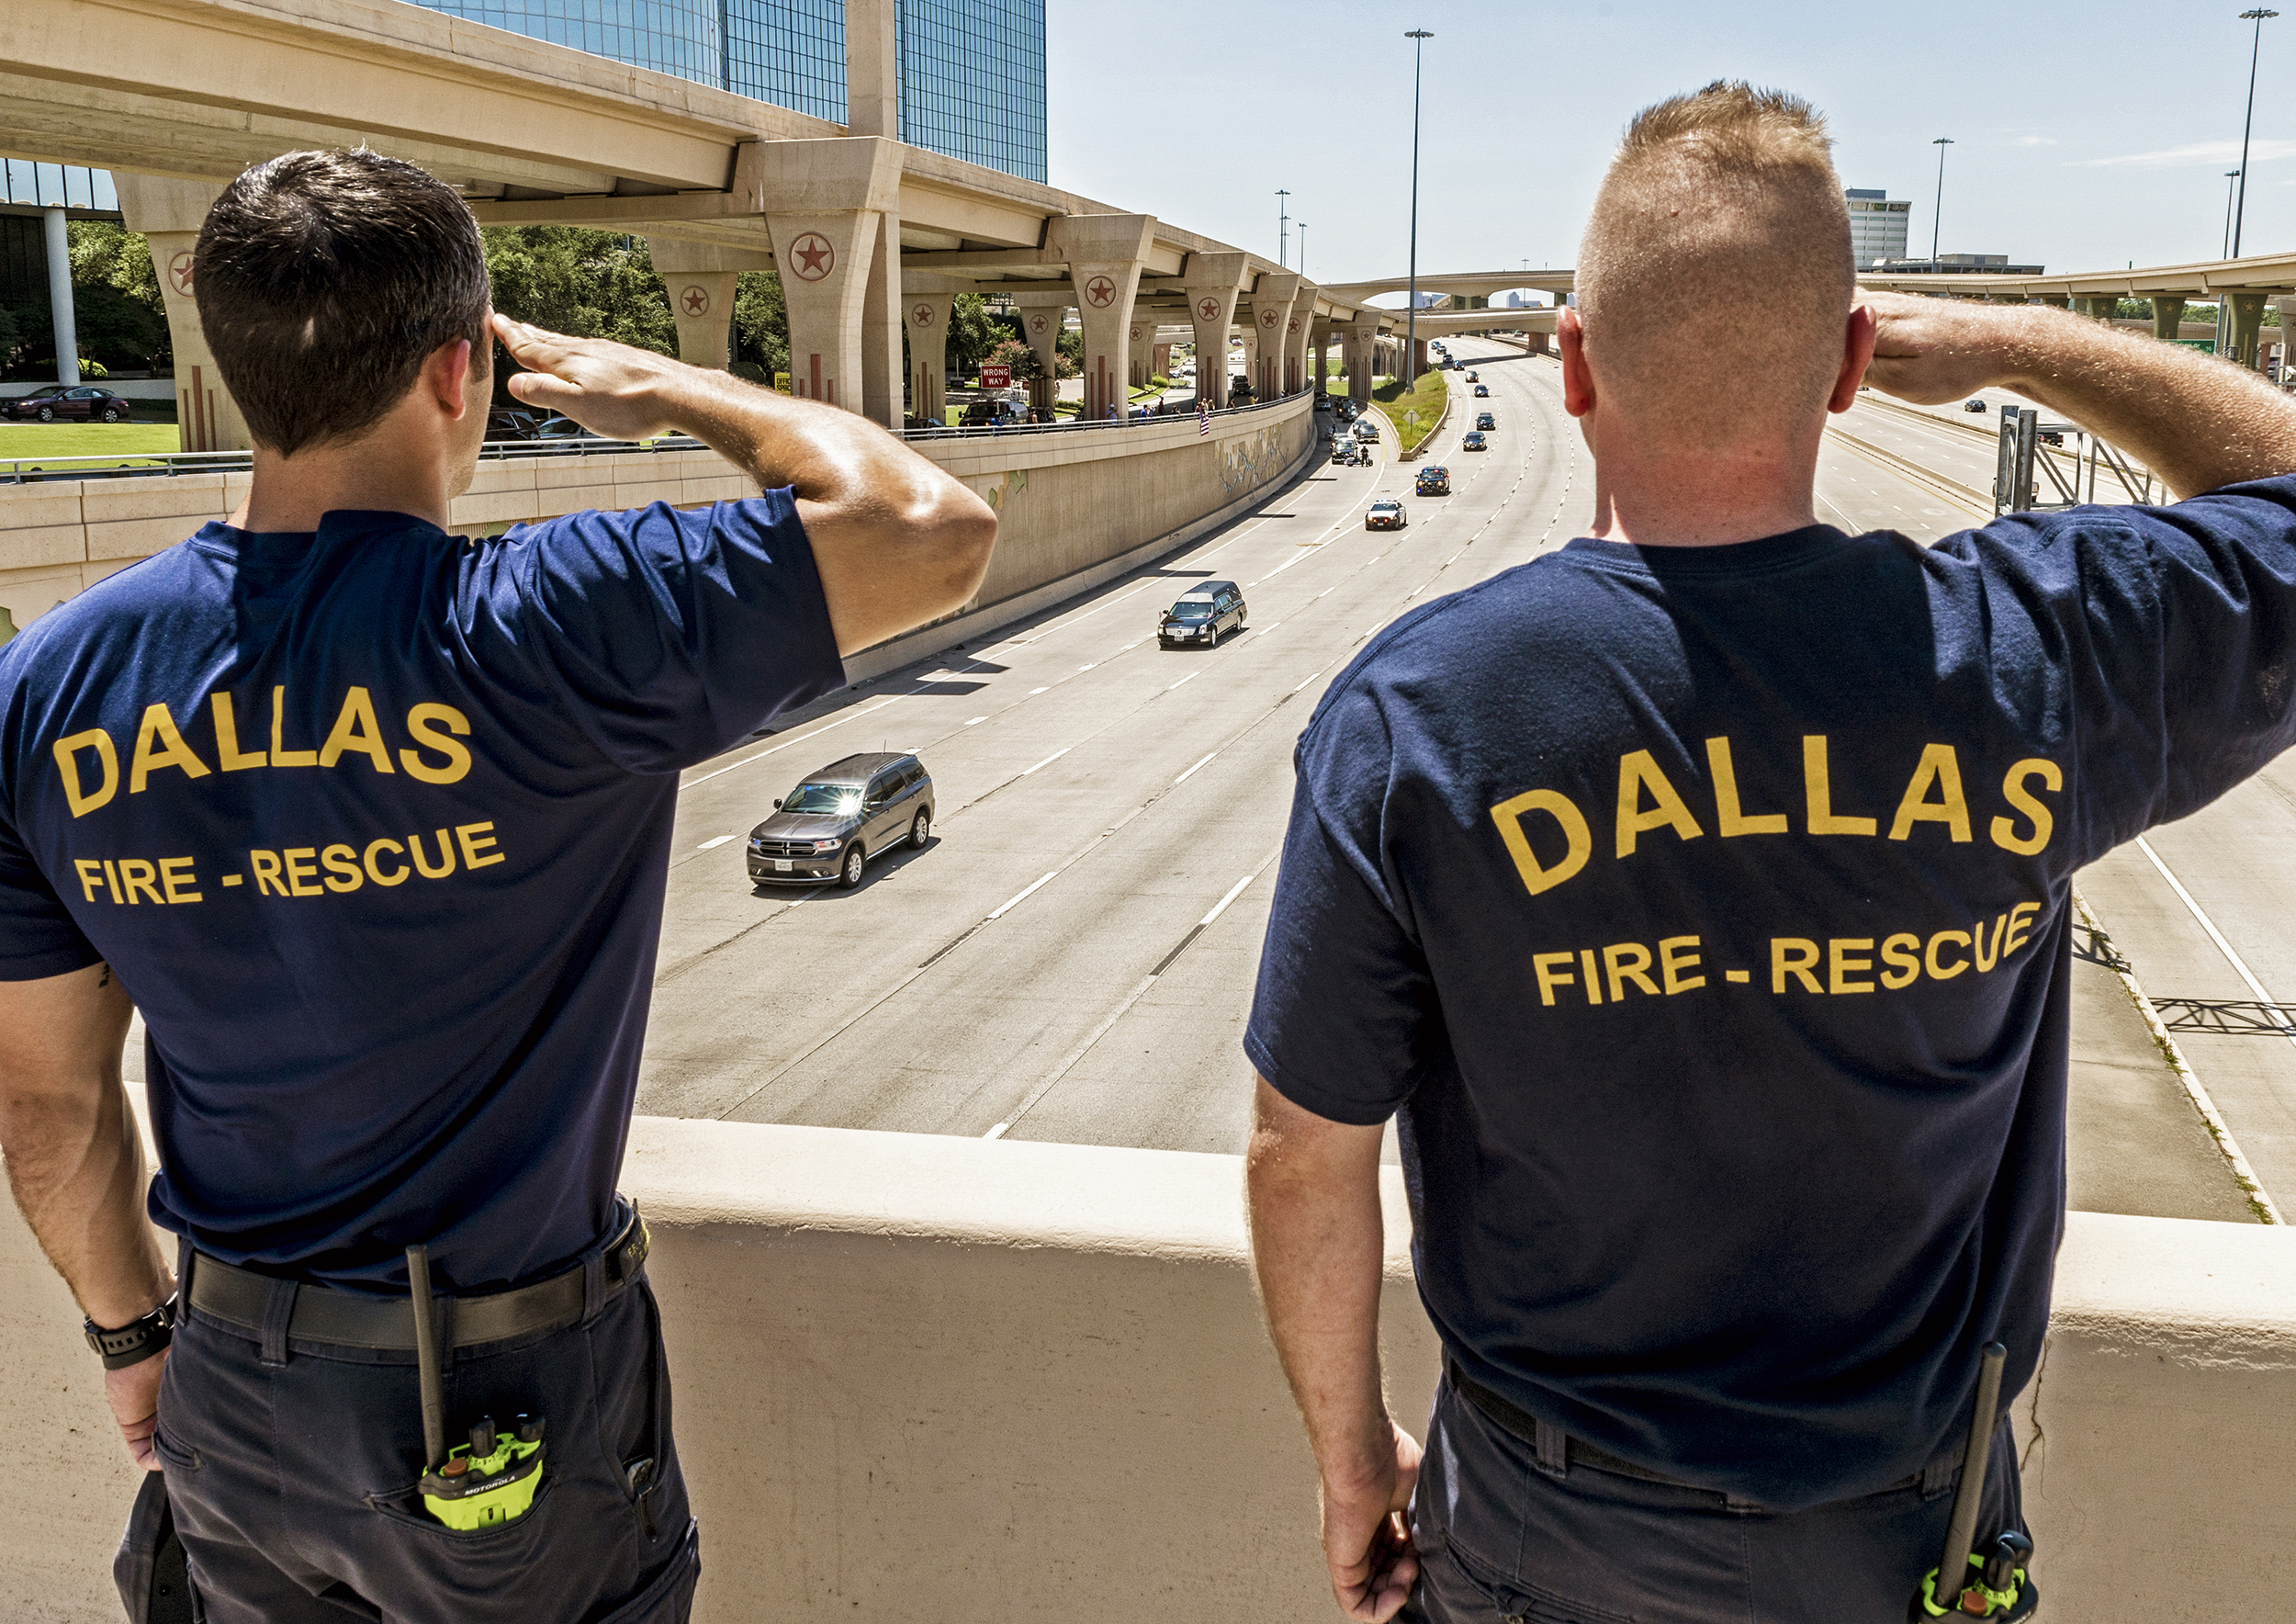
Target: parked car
{"points": [[829, 825], [507, 422], [69, 403], [1201, 615], [1474, 441], [1484, 420], [1482, 391], [1435, 479], [1386, 513], [982, 414], [1973, 405]]}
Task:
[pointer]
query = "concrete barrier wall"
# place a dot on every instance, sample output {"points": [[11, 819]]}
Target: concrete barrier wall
{"points": [[1067, 502], [1009, 1382]]}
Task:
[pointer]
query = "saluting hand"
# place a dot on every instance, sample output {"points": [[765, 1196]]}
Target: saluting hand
{"points": [[610, 389], [1931, 351]]}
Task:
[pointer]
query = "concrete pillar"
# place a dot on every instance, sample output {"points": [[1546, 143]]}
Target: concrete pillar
{"points": [[1104, 253], [1361, 344], [822, 201], [1250, 334], [700, 279], [882, 308], [2167, 316], [1041, 317], [1139, 344], [1538, 343], [1212, 281], [1296, 328], [2058, 299], [1160, 365], [169, 213], [872, 82], [1271, 312], [2246, 312], [60, 316], [2102, 307], [927, 313], [2286, 306]]}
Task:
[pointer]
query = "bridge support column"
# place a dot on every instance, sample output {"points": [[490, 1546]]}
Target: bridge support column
{"points": [[1139, 339], [926, 315], [1250, 333], [1104, 253], [1272, 299], [824, 202], [2101, 309], [1296, 328], [700, 279], [2168, 317], [169, 214], [1362, 344], [881, 307], [2058, 299], [2247, 311], [1212, 281], [1536, 343], [1041, 317]]}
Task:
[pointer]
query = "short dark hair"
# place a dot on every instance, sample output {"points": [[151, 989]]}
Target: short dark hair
{"points": [[324, 280]]}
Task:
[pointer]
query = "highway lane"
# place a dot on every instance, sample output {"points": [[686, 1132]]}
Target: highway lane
{"points": [[1146, 784]]}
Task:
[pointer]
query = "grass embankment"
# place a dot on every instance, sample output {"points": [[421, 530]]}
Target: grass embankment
{"points": [[1425, 398], [124, 440]]}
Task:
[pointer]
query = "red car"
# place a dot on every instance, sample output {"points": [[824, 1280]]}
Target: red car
{"points": [[63, 402]]}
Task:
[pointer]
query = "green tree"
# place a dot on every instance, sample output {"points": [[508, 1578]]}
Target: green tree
{"points": [[1013, 353], [116, 330], [972, 333], [589, 284], [760, 323], [1070, 352]]}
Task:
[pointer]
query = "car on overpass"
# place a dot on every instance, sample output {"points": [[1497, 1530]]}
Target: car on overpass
{"points": [[1386, 513], [1202, 613], [1484, 420], [826, 828], [1474, 441], [64, 402], [1435, 479]]}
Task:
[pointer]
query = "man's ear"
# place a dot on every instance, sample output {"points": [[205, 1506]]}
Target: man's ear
{"points": [[1857, 352], [453, 381], [1578, 378]]}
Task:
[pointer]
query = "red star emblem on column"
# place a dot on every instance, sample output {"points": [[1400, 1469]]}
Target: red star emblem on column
{"points": [[179, 271], [1036, 323], [811, 256], [1209, 309], [1100, 291], [922, 315], [696, 300]]}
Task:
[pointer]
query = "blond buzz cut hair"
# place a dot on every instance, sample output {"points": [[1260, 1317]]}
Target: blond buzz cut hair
{"points": [[1715, 279]]}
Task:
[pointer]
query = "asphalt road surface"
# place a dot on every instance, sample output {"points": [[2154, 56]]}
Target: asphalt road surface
{"points": [[1072, 957]]}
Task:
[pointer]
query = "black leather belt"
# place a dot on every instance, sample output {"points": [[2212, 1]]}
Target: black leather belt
{"points": [[242, 1297]]}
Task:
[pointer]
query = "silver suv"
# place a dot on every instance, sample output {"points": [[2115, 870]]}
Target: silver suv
{"points": [[828, 826]]}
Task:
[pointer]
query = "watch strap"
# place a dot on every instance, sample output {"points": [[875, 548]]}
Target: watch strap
{"points": [[137, 1340]]}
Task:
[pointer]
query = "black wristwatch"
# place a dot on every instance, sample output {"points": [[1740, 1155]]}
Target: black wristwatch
{"points": [[137, 1340]]}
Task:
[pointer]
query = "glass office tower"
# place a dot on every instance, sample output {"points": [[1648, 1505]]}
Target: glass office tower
{"points": [[971, 71]]}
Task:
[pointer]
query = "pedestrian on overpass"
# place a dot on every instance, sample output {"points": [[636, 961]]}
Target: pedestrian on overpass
{"points": [[1694, 898], [371, 821]]}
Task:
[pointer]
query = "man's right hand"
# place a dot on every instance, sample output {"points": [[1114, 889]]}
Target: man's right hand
{"points": [[1931, 351], [610, 389], [1367, 1542]]}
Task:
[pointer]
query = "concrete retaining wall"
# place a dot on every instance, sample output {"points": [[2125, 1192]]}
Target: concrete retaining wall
{"points": [[1065, 502], [1017, 1382]]}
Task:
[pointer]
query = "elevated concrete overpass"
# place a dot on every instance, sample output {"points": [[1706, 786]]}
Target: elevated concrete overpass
{"points": [[1459, 284], [869, 235]]}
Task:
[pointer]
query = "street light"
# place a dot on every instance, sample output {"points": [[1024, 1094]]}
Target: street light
{"points": [[1937, 215], [1418, 37], [2230, 176], [1283, 228], [2255, 46], [1301, 226]]}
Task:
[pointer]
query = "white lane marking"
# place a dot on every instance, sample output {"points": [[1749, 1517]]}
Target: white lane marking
{"points": [[1087, 665], [2209, 925], [997, 1132], [1048, 760], [713, 845], [1190, 678], [1034, 692], [1184, 777], [975, 721], [1271, 626], [1069, 1060], [1022, 897], [1233, 891], [787, 742]]}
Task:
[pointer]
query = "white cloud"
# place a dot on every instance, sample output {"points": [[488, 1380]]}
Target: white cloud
{"points": [[2192, 154], [2037, 140]]}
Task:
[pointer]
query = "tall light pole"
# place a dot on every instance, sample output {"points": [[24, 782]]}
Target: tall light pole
{"points": [[1301, 227], [1283, 228], [1418, 37], [1937, 215], [2255, 45], [2230, 176]]}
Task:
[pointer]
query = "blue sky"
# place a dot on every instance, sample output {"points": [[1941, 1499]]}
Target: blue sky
{"points": [[2084, 137]]}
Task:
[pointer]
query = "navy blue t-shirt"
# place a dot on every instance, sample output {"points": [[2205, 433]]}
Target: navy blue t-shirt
{"points": [[1704, 914], [373, 825]]}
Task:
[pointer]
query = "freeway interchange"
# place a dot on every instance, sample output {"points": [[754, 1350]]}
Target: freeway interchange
{"points": [[1071, 958]]}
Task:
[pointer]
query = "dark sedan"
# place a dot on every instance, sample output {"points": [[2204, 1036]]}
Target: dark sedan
{"points": [[66, 403], [1474, 441]]}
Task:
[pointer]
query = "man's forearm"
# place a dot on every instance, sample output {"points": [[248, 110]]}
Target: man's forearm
{"points": [[75, 1163], [1318, 1247], [2198, 422]]}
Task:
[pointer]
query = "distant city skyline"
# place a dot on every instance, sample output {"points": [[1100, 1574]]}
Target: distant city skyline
{"points": [[2072, 147]]}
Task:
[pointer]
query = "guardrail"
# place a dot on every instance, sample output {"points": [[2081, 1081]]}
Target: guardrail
{"points": [[33, 471], [1075, 425]]}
